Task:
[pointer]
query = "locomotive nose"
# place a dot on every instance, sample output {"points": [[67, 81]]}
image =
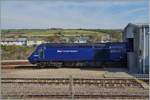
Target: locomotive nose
{"points": [[30, 59]]}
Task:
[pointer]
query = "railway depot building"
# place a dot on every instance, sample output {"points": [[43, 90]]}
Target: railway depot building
{"points": [[137, 35]]}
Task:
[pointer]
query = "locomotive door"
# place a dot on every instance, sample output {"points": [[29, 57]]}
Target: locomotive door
{"points": [[41, 53], [101, 54]]}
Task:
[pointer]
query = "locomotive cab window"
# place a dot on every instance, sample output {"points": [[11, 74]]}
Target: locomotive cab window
{"points": [[41, 52]]}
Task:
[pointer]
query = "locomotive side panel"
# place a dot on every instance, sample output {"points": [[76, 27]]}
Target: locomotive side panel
{"points": [[118, 52], [101, 54], [68, 54]]}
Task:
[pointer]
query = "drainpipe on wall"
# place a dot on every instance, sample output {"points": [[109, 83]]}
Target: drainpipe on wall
{"points": [[144, 49]]}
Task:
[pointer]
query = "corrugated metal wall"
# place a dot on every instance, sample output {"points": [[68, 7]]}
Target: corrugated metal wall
{"points": [[140, 54]]}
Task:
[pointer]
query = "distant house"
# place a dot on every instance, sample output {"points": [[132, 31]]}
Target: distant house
{"points": [[34, 41], [75, 39], [13, 41], [21, 41], [105, 38], [81, 40]]}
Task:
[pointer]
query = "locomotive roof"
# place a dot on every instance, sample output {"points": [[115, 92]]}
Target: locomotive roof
{"points": [[79, 44]]}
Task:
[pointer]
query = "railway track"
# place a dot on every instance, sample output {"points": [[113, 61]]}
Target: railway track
{"points": [[77, 88], [127, 97], [14, 64], [102, 82]]}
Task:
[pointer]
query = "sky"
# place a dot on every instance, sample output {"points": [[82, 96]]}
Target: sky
{"points": [[110, 14]]}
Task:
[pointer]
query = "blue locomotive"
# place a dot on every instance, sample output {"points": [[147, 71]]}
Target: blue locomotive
{"points": [[59, 54]]}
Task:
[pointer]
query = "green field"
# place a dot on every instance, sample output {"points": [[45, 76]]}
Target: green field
{"points": [[19, 33]]}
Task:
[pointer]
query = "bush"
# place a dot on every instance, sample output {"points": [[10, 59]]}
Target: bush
{"points": [[16, 52]]}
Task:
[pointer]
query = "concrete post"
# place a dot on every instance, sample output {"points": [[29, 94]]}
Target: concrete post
{"points": [[71, 87]]}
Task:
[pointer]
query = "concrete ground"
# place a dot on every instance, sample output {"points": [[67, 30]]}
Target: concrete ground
{"points": [[65, 72]]}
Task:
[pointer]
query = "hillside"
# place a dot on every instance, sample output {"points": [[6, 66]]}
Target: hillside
{"points": [[17, 33]]}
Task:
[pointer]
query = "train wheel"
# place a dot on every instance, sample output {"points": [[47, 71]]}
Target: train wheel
{"points": [[59, 65], [40, 65]]}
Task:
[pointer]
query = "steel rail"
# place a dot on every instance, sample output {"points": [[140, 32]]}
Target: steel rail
{"points": [[113, 83], [81, 96]]}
